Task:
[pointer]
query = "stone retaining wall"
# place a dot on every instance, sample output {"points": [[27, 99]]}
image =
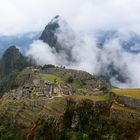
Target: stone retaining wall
{"points": [[128, 101], [124, 115]]}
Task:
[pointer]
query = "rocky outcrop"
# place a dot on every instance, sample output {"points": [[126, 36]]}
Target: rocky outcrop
{"points": [[48, 35], [57, 34]]}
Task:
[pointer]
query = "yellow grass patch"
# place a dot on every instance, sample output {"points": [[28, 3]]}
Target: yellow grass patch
{"points": [[131, 92]]}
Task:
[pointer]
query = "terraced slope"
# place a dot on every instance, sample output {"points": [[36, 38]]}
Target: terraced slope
{"points": [[124, 113], [62, 98], [128, 97], [25, 113], [126, 104], [131, 92]]}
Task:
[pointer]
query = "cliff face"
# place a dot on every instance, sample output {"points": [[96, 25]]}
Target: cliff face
{"points": [[48, 35], [59, 36]]}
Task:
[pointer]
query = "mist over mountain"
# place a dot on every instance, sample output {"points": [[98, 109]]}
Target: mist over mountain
{"points": [[51, 33], [129, 40], [112, 54], [22, 41]]}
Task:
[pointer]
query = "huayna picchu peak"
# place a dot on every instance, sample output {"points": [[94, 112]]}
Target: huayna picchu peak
{"points": [[48, 35], [56, 34]]}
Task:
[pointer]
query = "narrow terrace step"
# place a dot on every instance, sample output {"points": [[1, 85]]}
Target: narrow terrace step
{"points": [[23, 121], [28, 115], [124, 113]]}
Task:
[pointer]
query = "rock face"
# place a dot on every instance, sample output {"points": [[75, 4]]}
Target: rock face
{"points": [[59, 36], [48, 35]]}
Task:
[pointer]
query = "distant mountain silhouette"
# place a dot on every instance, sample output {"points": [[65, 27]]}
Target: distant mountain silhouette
{"points": [[22, 41], [11, 63]]}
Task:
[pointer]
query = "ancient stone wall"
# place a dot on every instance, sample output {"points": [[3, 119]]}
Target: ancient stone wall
{"points": [[124, 115], [128, 101]]}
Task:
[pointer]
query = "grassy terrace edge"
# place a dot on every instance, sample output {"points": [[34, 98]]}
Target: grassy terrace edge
{"points": [[124, 108], [130, 92], [93, 98]]}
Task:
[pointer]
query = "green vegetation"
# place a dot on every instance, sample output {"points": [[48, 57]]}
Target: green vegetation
{"points": [[48, 66], [89, 124], [11, 63], [8, 82], [7, 134], [133, 92], [52, 78], [70, 79]]}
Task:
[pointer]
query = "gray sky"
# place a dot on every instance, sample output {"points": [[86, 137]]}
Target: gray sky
{"points": [[18, 16]]}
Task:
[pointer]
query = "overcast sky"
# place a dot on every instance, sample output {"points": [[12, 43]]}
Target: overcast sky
{"points": [[18, 16]]}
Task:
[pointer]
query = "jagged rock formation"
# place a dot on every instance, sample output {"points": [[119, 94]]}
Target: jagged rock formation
{"points": [[57, 34], [48, 35]]}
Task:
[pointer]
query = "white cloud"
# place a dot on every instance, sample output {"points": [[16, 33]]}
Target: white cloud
{"points": [[42, 53], [89, 57], [82, 15], [32, 15]]}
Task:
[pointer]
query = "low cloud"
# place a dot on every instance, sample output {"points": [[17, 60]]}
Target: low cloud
{"points": [[87, 56], [42, 53]]}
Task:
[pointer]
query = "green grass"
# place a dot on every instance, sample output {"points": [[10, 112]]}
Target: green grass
{"points": [[52, 78], [132, 92], [94, 98]]}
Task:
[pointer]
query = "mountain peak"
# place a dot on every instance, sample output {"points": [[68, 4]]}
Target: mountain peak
{"points": [[48, 35], [57, 17], [57, 34], [11, 60], [12, 52]]}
